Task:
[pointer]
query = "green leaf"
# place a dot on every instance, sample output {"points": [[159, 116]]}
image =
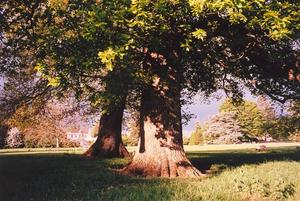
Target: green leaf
{"points": [[199, 34], [107, 57], [54, 82]]}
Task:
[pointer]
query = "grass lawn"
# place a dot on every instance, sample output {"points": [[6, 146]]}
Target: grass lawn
{"points": [[234, 174]]}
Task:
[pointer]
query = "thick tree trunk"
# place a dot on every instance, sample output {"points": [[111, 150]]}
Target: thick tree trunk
{"points": [[109, 141], [160, 152]]}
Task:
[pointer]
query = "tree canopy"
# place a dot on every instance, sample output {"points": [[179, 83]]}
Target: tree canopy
{"points": [[83, 45]]}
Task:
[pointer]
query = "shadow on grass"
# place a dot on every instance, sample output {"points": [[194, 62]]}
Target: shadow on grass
{"points": [[70, 177], [206, 161], [61, 177]]}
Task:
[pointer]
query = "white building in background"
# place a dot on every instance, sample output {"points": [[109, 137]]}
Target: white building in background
{"points": [[82, 136]]}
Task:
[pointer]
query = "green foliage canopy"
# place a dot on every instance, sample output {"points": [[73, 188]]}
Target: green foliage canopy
{"points": [[90, 46]]}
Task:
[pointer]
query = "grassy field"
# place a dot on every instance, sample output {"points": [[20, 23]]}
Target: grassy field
{"points": [[232, 174]]}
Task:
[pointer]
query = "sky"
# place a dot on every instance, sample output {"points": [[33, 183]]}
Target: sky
{"points": [[1, 83]]}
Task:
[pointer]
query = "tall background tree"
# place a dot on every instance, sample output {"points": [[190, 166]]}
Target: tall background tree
{"points": [[248, 115], [225, 128], [197, 135]]}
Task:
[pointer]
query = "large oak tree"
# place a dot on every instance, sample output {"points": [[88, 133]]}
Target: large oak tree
{"points": [[163, 49]]}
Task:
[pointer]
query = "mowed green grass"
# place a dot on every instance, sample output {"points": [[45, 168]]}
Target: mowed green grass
{"points": [[231, 175]]}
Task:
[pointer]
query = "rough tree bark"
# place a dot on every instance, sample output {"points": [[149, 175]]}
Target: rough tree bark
{"points": [[160, 152], [109, 141]]}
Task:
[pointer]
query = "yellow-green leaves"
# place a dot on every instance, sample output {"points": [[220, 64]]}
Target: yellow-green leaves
{"points": [[107, 58], [232, 8], [52, 80], [197, 5], [174, 2], [276, 24], [199, 34], [186, 44], [236, 15], [39, 68], [136, 5], [276, 18]]}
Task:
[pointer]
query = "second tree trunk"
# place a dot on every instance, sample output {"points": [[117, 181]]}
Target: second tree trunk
{"points": [[109, 141]]}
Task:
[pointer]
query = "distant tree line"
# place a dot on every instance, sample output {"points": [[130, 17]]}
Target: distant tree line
{"points": [[249, 122], [35, 127]]}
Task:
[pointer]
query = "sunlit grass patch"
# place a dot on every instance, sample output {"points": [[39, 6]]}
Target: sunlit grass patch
{"points": [[268, 181]]}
